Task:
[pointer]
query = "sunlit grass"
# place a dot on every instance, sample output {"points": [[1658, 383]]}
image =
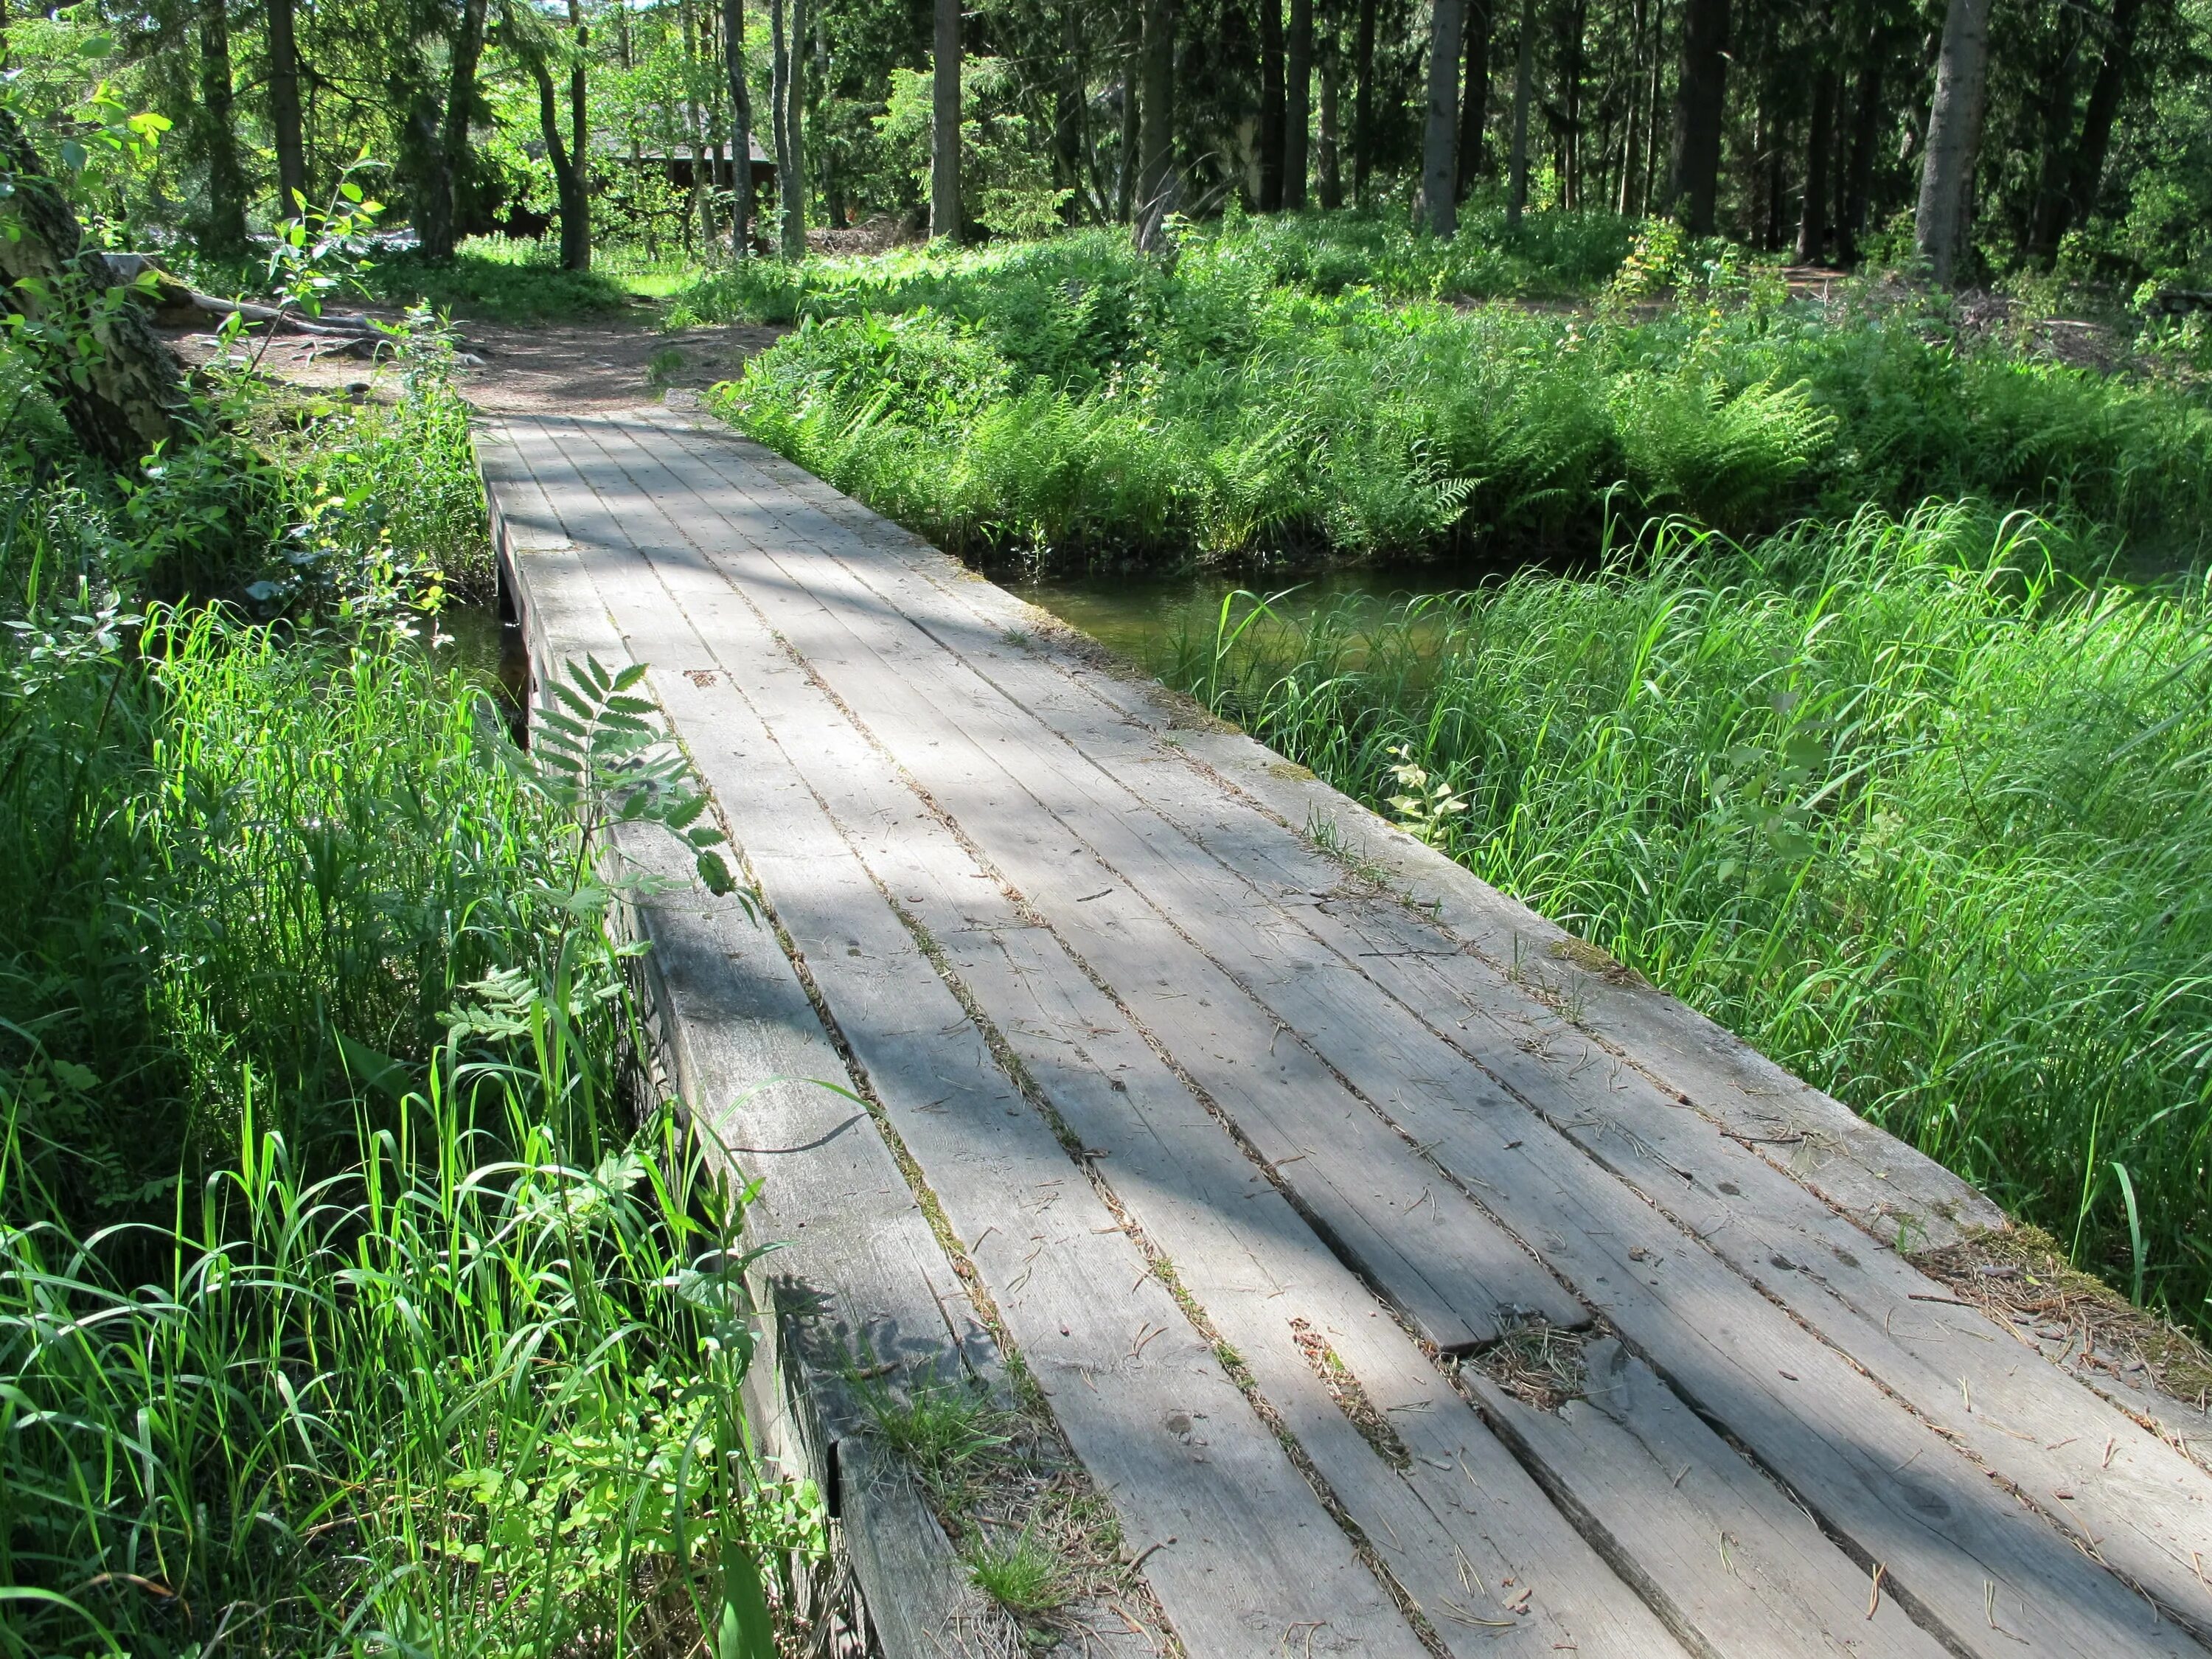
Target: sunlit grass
{"points": [[1919, 818]]}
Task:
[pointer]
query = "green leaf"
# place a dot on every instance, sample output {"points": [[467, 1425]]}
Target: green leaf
{"points": [[716, 874]]}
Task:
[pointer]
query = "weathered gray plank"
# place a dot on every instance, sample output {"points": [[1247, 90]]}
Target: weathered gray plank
{"points": [[1708, 1538], [1238, 1247], [859, 1278], [2082, 1609], [1866, 1173], [2125, 1494], [1436, 1256], [1147, 1409]]}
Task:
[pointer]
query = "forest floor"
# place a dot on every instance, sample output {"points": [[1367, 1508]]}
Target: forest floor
{"points": [[606, 363]]}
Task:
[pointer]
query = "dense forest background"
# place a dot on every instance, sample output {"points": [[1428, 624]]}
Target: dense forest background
{"points": [[2083, 130]]}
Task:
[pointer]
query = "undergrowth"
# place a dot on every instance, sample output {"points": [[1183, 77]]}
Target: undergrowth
{"points": [[357, 1295], [1072, 399], [1916, 814]]}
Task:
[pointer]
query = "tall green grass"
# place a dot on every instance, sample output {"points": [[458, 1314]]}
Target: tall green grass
{"points": [[1917, 816], [357, 1294], [1073, 400]]}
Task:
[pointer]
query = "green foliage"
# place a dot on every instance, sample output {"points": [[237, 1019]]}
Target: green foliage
{"points": [[344, 1305], [1913, 813], [1005, 170], [1020, 1573], [1073, 399], [503, 282]]}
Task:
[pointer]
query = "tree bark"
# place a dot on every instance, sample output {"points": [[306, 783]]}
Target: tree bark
{"points": [[1954, 130], [1813, 218], [1363, 102], [575, 226], [1332, 176], [1475, 97], [1573, 25], [792, 183], [787, 92], [1524, 75], [1693, 171], [1624, 190], [1132, 131], [1439, 158], [1067, 112], [121, 394], [435, 216], [1271, 105], [226, 226], [284, 109], [1649, 182], [1866, 133], [2085, 173], [1297, 103], [1155, 173], [945, 221], [575, 183], [741, 120]]}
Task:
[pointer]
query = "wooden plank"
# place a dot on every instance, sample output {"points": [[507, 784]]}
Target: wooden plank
{"points": [[2135, 1500], [1868, 1174], [1708, 1539], [2074, 1608], [1450, 1270], [858, 1273], [1255, 1559], [1237, 1246]]}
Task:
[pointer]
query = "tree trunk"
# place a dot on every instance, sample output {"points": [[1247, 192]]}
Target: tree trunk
{"points": [[1813, 219], [1297, 103], [1439, 158], [1156, 171], [2085, 174], [1475, 97], [1271, 105], [226, 225], [284, 109], [1363, 102], [435, 215], [791, 180], [575, 183], [575, 233], [123, 396], [1131, 140], [741, 120], [1693, 172], [945, 221], [1650, 180], [1866, 133], [1067, 112], [1332, 176], [1631, 141], [1954, 129], [1524, 75], [1573, 25]]}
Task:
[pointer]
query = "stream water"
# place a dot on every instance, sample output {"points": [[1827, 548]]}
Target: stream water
{"points": [[1143, 616], [1139, 615]]}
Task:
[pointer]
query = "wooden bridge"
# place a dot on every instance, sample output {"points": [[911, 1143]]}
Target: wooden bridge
{"points": [[1405, 1275]]}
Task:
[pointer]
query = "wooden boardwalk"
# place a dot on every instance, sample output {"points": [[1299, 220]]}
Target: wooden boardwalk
{"points": [[1275, 1158]]}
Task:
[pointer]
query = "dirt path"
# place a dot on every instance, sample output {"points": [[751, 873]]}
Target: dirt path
{"points": [[607, 363]]}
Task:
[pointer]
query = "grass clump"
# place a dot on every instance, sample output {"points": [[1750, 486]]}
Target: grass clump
{"points": [[1020, 1575], [1073, 400], [1913, 813], [356, 1294], [1036, 1538]]}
